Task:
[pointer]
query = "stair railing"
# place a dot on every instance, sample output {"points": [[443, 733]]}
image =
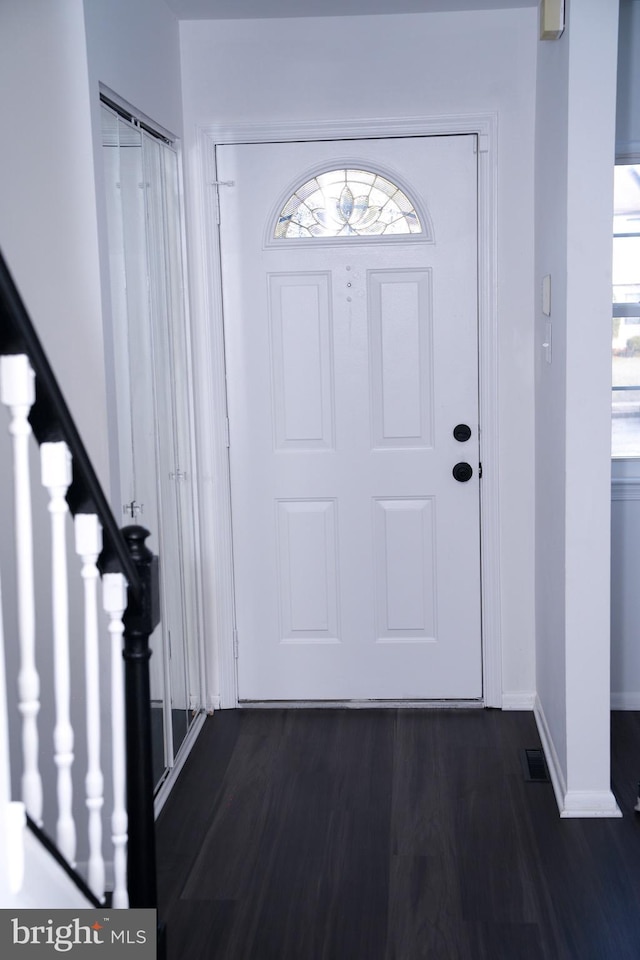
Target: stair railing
{"points": [[128, 574]]}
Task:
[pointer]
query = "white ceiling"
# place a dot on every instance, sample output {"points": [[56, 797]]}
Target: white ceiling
{"points": [[258, 9]]}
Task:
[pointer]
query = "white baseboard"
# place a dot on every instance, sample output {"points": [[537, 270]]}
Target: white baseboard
{"points": [[572, 803], [590, 803], [519, 700], [361, 704], [625, 701], [553, 763]]}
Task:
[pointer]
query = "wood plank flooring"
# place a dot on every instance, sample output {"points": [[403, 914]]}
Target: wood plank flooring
{"points": [[391, 835]]}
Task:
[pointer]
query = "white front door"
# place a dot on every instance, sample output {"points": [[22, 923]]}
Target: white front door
{"points": [[350, 362]]}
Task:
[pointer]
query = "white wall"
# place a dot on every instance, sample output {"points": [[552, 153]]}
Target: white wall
{"points": [[592, 93], [48, 226], [551, 237], [409, 66], [50, 67], [574, 161], [133, 50]]}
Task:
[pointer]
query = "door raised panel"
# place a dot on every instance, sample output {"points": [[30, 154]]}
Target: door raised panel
{"points": [[400, 357], [308, 569], [301, 339], [404, 560]]}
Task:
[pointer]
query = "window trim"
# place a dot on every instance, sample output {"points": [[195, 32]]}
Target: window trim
{"points": [[623, 309]]}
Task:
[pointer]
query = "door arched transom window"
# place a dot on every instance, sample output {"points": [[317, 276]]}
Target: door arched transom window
{"points": [[347, 203]]}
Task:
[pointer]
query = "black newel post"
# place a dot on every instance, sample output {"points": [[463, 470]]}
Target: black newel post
{"points": [[140, 620]]}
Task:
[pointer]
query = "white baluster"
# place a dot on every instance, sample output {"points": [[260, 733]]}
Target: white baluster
{"points": [[12, 818], [115, 601], [55, 462], [17, 391], [88, 546]]}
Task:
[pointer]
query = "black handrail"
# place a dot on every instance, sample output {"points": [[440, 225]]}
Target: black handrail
{"points": [[51, 420]]}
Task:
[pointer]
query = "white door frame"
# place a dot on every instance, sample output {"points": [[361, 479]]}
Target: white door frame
{"points": [[210, 376]]}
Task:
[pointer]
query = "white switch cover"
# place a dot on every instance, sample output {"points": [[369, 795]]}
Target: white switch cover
{"points": [[546, 295]]}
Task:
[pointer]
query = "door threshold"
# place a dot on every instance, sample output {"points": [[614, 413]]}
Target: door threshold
{"points": [[361, 704]]}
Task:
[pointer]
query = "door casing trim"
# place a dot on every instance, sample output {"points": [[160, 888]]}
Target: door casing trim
{"points": [[210, 373]]}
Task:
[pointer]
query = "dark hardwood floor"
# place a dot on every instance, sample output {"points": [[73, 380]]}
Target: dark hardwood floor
{"points": [[392, 835]]}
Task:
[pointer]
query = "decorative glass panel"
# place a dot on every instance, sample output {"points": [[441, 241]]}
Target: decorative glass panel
{"points": [[346, 203]]}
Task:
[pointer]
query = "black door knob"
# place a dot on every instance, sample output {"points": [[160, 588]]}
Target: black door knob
{"points": [[462, 432], [462, 472]]}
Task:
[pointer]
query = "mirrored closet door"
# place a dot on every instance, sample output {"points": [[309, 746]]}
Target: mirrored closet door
{"points": [[153, 406]]}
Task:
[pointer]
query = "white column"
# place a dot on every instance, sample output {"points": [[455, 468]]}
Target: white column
{"points": [[586, 323], [56, 477], [17, 391], [115, 601], [88, 546]]}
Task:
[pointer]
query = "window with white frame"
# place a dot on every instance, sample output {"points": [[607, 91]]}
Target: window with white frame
{"points": [[347, 203], [625, 341]]}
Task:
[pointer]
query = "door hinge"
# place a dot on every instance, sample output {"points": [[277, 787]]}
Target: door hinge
{"points": [[479, 471], [217, 184], [235, 643]]}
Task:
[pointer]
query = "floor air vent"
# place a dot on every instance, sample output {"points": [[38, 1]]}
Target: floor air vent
{"points": [[534, 766]]}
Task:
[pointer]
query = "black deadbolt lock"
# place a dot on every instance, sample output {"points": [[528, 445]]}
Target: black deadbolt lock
{"points": [[462, 432], [462, 472]]}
